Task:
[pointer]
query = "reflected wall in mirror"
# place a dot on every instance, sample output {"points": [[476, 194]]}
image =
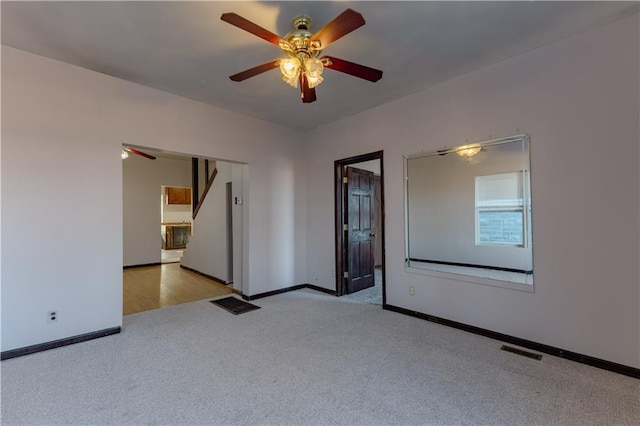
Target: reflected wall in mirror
{"points": [[468, 211]]}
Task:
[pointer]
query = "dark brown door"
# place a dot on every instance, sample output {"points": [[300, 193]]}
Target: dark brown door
{"points": [[360, 233]]}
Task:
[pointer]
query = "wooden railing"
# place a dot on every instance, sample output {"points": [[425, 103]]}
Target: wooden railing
{"points": [[197, 206]]}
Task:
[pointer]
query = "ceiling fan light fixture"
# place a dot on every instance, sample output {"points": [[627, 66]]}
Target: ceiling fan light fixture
{"points": [[303, 63], [313, 67], [314, 81], [291, 81], [290, 68]]}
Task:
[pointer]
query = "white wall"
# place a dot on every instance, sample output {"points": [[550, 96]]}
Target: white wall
{"points": [[578, 99], [62, 132], [240, 214], [142, 202], [206, 251]]}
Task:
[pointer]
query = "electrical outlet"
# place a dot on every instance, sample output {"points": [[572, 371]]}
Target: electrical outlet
{"points": [[52, 316], [412, 290]]}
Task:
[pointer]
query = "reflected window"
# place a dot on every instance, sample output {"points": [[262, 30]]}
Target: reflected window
{"points": [[500, 213]]}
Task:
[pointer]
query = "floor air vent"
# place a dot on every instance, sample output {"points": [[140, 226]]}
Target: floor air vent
{"points": [[521, 352]]}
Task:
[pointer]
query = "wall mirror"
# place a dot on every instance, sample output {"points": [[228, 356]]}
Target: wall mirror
{"points": [[468, 212]]}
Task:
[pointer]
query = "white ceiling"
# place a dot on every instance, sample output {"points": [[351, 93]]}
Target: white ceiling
{"points": [[184, 48]]}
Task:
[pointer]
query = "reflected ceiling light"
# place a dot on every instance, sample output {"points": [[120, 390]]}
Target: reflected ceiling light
{"points": [[468, 150], [124, 154]]}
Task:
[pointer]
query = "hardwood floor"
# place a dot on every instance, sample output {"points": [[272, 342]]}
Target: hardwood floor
{"points": [[153, 287]]}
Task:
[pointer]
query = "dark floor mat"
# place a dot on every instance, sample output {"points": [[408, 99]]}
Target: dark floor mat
{"points": [[234, 305]]}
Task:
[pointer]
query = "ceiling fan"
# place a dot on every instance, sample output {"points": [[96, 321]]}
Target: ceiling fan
{"points": [[303, 63], [128, 150]]}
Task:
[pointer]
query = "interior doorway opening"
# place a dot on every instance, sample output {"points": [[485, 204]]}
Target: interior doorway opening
{"points": [[359, 228], [219, 226], [175, 222]]}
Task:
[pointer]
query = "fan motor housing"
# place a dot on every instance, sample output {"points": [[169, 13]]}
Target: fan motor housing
{"points": [[299, 37], [302, 22]]}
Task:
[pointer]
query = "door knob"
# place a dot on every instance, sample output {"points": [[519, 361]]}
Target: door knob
{"points": [[372, 235]]}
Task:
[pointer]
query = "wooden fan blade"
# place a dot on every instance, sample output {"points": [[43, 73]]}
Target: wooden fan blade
{"points": [[341, 25], [307, 93], [255, 29], [251, 72], [352, 68], [143, 154]]}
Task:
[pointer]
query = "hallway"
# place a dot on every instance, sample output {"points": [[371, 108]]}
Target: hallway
{"points": [[372, 295], [153, 287]]}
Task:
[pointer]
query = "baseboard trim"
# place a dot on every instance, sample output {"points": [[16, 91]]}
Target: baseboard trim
{"points": [[211, 277], [142, 265], [321, 289], [273, 292], [540, 347], [288, 289], [27, 350]]}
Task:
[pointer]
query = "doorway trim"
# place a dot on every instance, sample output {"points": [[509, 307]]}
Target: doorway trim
{"points": [[342, 252]]}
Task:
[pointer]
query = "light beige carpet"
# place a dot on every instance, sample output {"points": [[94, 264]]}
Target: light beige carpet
{"points": [[305, 358]]}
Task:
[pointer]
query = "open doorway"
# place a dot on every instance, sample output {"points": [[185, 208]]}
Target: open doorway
{"points": [[171, 281], [175, 222], [359, 231]]}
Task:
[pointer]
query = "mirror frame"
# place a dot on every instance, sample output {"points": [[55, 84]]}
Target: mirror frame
{"points": [[467, 277]]}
